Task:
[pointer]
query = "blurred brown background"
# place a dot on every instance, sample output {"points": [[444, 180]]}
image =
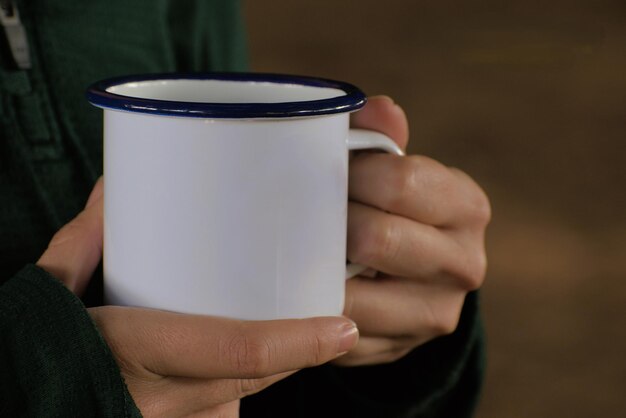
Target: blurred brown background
{"points": [[529, 97]]}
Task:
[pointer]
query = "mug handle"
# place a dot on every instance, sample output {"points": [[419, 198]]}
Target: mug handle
{"points": [[365, 139]]}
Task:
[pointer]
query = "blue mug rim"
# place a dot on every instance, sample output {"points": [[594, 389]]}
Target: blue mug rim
{"points": [[353, 99]]}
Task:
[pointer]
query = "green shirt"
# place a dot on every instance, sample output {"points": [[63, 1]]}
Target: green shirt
{"points": [[53, 361]]}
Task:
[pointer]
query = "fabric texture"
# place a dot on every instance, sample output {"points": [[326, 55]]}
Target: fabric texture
{"points": [[53, 361]]}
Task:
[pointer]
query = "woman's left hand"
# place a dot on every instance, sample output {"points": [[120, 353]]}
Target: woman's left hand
{"points": [[418, 225]]}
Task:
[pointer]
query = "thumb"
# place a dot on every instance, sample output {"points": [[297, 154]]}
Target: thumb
{"points": [[76, 249]]}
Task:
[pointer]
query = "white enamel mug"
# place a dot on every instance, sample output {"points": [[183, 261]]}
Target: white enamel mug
{"points": [[226, 194]]}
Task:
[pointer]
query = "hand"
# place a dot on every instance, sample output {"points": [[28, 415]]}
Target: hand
{"points": [[421, 225], [178, 365], [175, 365]]}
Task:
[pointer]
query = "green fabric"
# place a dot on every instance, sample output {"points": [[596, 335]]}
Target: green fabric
{"points": [[51, 148], [53, 361]]}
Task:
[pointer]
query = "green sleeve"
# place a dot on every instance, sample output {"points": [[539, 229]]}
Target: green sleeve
{"points": [[53, 361], [440, 379]]}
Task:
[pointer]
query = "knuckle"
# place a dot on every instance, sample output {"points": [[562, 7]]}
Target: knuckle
{"points": [[404, 177], [444, 320], [473, 274], [478, 205], [469, 266], [423, 176], [249, 354], [480, 270], [481, 208], [374, 242], [448, 326], [414, 176], [434, 174]]}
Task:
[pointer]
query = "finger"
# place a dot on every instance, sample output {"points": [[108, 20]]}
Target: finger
{"points": [[166, 405], [397, 307], [418, 188], [398, 246], [479, 207], [383, 115], [376, 350], [229, 410], [182, 396], [76, 249], [170, 344]]}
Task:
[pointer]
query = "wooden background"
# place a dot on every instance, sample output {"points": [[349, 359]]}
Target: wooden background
{"points": [[529, 97]]}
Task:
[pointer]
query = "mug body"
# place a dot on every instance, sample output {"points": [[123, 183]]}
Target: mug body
{"points": [[215, 214]]}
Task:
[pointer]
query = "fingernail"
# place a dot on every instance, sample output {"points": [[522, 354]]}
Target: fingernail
{"points": [[348, 337]]}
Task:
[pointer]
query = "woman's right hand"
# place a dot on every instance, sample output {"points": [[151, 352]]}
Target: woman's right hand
{"points": [[179, 365]]}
